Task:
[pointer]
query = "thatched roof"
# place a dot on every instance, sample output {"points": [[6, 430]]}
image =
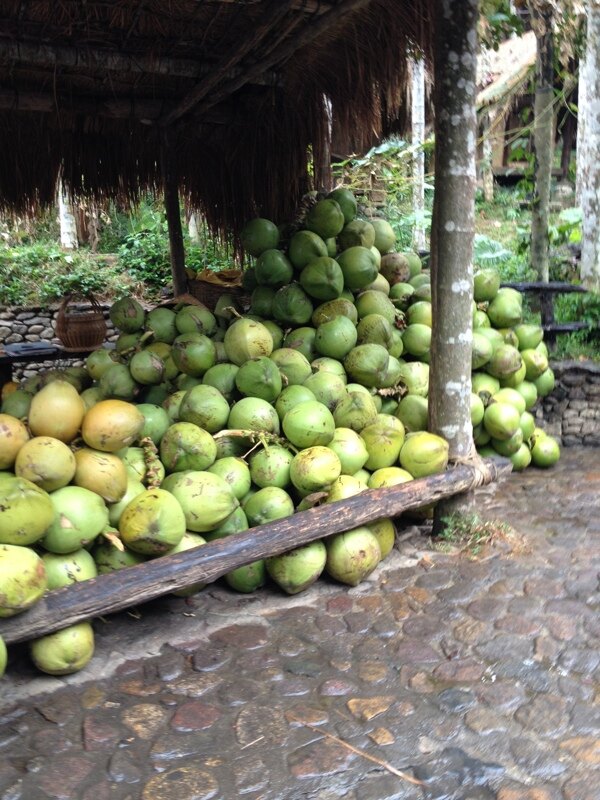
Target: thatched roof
{"points": [[233, 91]]}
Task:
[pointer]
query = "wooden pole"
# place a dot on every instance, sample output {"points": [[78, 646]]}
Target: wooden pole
{"points": [[128, 587], [173, 210]]}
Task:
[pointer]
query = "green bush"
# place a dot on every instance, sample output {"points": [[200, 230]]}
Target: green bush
{"points": [[42, 273]]}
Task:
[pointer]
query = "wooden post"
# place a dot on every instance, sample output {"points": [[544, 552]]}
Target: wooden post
{"points": [[173, 211], [133, 585], [418, 138]]}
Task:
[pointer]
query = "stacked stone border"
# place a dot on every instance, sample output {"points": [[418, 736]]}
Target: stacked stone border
{"points": [[572, 411]]}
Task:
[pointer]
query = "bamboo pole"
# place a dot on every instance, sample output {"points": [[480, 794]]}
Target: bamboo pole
{"points": [[116, 591]]}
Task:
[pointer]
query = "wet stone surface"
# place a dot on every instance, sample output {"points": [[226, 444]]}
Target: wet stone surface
{"points": [[478, 678]]}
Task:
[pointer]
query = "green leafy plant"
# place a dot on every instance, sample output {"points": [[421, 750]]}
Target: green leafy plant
{"points": [[469, 533]]}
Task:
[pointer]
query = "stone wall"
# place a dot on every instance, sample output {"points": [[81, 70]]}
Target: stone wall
{"points": [[572, 411], [37, 324]]}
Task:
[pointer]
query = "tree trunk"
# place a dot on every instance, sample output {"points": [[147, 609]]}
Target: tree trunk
{"points": [[418, 137], [173, 212], [582, 105], [543, 136], [453, 226], [68, 226], [193, 231], [588, 163], [486, 166]]}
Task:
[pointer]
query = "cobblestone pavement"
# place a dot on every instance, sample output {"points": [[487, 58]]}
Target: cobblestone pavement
{"points": [[479, 677]]}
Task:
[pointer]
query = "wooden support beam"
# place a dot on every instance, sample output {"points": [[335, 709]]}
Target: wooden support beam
{"points": [[273, 14], [128, 587], [91, 58], [280, 54], [145, 111], [307, 6], [173, 212]]}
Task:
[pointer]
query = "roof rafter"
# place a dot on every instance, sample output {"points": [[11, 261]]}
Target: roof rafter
{"points": [[275, 11], [45, 55]]}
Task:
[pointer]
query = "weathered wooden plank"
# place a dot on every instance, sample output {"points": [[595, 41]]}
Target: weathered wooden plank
{"points": [[133, 585], [540, 287]]}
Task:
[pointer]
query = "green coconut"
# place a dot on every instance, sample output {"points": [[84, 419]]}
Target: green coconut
{"points": [[414, 375], [508, 447], [236, 522], [352, 556], [259, 377], [346, 201], [117, 383], [327, 388], [384, 531], [297, 569], [481, 352], [536, 363], [22, 579], [341, 307], [267, 505], [162, 323], [484, 385], [246, 339], [477, 409], [358, 233], [545, 383], [248, 578], [322, 278], [292, 364], [424, 454], [342, 488], [506, 309], [412, 412], [325, 218], [330, 366], [356, 410], [385, 238], [528, 391], [67, 568], [308, 424], [350, 449], [314, 469], [501, 420], [258, 235], [504, 362], [291, 396], [79, 517], [521, 459], [193, 353], [273, 269], [45, 461], [292, 306], [64, 652], [127, 315], [417, 340], [222, 378], [134, 487], [186, 446], [261, 301], [271, 467], [367, 364], [304, 247], [156, 421], [400, 294], [235, 472], [486, 283], [98, 362], [152, 523], [383, 439], [26, 511], [253, 414], [17, 404], [206, 499], [359, 267], [206, 407], [545, 452], [196, 319]]}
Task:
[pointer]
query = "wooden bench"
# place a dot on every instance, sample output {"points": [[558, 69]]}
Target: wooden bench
{"points": [[546, 293], [33, 354]]}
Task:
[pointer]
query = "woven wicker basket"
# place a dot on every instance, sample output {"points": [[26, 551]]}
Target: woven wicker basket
{"points": [[209, 293], [80, 323]]}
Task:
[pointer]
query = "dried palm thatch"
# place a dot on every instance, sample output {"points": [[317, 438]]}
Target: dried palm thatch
{"points": [[236, 94]]}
